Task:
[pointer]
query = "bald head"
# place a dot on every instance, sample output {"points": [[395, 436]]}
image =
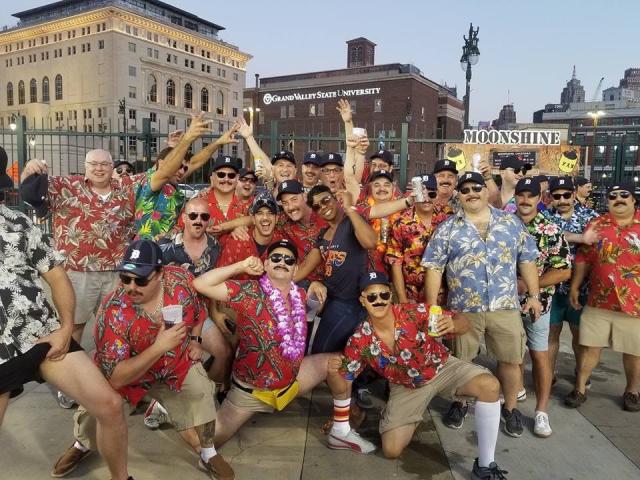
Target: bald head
{"points": [[98, 155], [98, 166]]}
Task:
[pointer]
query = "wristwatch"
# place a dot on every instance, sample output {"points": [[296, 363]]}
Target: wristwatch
{"points": [[197, 338], [537, 297]]}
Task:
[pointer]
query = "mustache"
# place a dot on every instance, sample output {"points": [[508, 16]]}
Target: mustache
{"points": [[197, 224], [619, 203], [563, 204], [379, 304]]}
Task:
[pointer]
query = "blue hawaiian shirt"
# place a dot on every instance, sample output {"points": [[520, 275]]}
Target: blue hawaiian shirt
{"points": [[481, 274]]}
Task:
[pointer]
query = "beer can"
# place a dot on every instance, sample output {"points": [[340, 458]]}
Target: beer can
{"points": [[416, 186], [435, 312]]}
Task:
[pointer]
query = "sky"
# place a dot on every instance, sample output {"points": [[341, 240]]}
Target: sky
{"points": [[527, 48]]}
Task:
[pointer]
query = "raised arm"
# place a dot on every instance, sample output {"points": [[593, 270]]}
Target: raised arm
{"points": [[211, 284], [344, 107], [351, 177], [203, 156], [309, 264], [364, 233]]}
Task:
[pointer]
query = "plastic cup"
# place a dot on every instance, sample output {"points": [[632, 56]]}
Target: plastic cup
{"points": [[313, 304], [172, 315]]}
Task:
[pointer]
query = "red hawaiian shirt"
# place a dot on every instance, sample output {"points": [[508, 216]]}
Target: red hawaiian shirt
{"points": [[237, 208], [259, 361], [615, 265], [415, 359], [408, 239], [233, 251], [123, 331], [91, 232]]}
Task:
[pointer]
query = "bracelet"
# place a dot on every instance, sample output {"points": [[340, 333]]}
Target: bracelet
{"points": [[536, 297], [197, 338], [487, 179]]}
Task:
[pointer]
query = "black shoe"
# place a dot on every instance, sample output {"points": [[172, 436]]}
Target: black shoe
{"points": [[575, 399], [512, 422], [455, 416], [631, 402], [492, 472]]}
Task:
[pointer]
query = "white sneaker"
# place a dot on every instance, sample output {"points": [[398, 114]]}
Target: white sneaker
{"points": [[522, 396], [542, 428], [155, 416], [350, 441], [64, 401]]}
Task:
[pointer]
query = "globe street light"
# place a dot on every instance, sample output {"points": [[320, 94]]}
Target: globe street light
{"points": [[470, 56]]}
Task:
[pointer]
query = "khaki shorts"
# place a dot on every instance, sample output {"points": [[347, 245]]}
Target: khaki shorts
{"points": [[503, 334], [90, 289], [606, 328], [192, 406], [406, 406], [244, 400]]}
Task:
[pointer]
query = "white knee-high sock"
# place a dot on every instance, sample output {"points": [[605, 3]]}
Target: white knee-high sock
{"points": [[487, 426]]}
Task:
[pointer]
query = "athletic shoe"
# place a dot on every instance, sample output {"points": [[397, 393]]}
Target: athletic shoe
{"points": [[350, 441], [363, 398], [512, 422], [492, 472], [455, 416], [155, 416], [217, 467], [575, 399], [65, 401], [631, 402], [541, 426], [522, 396], [69, 461]]}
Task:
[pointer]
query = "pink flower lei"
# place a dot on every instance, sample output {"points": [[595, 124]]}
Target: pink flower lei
{"points": [[290, 326]]}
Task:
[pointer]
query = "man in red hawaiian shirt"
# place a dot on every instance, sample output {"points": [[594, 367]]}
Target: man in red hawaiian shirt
{"points": [[140, 352], [246, 188], [611, 317], [223, 202], [270, 368], [394, 341]]}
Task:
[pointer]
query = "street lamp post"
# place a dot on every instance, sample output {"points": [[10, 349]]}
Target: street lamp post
{"points": [[595, 116], [470, 56]]}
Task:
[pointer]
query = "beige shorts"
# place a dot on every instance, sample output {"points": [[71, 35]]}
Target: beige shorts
{"points": [[244, 400], [90, 289], [406, 406], [192, 406], [606, 328], [503, 334]]}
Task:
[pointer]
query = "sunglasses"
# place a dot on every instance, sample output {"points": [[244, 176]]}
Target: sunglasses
{"points": [[518, 170], [324, 201], [331, 171], [278, 257], [432, 194], [184, 167], [229, 175], [248, 179], [372, 297], [123, 170], [614, 195], [194, 215], [565, 195], [139, 281], [475, 188]]}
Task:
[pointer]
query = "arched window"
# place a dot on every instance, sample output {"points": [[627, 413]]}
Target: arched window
{"points": [[58, 86], [45, 89], [20, 92], [188, 96], [171, 92], [153, 89], [9, 94], [204, 100], [220, 104], [33, 91]]}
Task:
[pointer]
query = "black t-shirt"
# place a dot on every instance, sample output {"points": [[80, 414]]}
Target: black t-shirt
{"points": [[261, 248], [344, 261]]}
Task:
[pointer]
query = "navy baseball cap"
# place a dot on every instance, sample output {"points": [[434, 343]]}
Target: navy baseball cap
{"points": [[384, 155], [264, 201], [442, 165], [513, 162], [381, 173], [283, 243], [141, 258], [627, 186], [373, 278], [283, 155], [34, 190], [289, 186], [561, 183], [331, 158], [580, 181], [225, 161], [528, 184], [244, 172], [429, 181], [474, 177], [312, 157]]}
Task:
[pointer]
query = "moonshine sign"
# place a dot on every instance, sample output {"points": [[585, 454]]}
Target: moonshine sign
{"points": [[512, 137], [269, 98]]}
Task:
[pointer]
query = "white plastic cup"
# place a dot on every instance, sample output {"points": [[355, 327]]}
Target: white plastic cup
{"points": [[475, 160], [172, 315], [313, 304], [359, 132]]}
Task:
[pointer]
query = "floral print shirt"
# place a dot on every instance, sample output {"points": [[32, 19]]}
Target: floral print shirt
{"points": [[174, 252], [481, 274], [415, 358], [26, 253], [156, 212], [615, 265], [123, 330]]}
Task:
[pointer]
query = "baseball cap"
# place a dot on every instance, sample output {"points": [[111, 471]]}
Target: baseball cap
{"points": [[33, 191], [225, 161], [384, 155], [429, 181], [474, 177], [628, 186], [264, 201], [243, 172], [283, 155], [560, 183], [289, 186], [381, 173], [330, 158], [528, 184], [372, 278], [513, 162], [442, 165], [141, 258], [580, 181], [283, 243], [312, 157]]}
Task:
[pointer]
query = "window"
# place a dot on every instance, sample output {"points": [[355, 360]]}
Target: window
{"points": [[235, 95], [9, 94], [224, 73], [132, 92], [21, 92], [100, 44], [188, 96], [153, 89], [33, 91], [283, 111], [133, 144], [204, 100], [234, 112], [312, 110], [292, 111], [132, 114], [321, 110], [171, 92], [153, 116], [377, 105], [149, 52], [356, 56], [172, 119], [132, 71], [220, 104], [45, 89], [186, 63], [88, 47], [422, 114], [221, 127], [235, 77]]}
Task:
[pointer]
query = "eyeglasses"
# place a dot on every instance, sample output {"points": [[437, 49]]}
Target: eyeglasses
{"points": [[99, 164], [230, 175], [139, 281], [324, 201], [565, 195], [517, 170], [432, 194], [372, 297], [623, 194], [248, 179], [278, 257], [467, 190], [329, 171], [195, 215]]}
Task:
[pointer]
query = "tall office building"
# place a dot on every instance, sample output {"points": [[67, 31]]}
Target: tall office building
{"points": [[573, 92]]}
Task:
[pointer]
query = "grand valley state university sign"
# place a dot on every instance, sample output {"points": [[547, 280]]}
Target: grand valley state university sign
{"points": [[269, 98]]}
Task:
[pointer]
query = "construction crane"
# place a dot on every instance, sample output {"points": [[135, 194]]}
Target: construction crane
{"points": [[597, 92]]}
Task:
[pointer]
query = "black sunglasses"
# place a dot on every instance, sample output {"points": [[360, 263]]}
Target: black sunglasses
{"points": [[278, 257], [565, 195], [623, 194], [372, 297], [230, 175], [184, 167], [475, 188], [203, 216], [432, 194], [324, 201], [139, 281], [248, 179], [518, 170], [122, 170]]}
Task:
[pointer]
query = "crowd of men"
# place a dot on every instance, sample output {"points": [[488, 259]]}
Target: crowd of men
{"points": [[245, 296]]}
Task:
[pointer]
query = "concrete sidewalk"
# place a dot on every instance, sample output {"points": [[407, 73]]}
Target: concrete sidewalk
{"points": [[597, 441]]}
